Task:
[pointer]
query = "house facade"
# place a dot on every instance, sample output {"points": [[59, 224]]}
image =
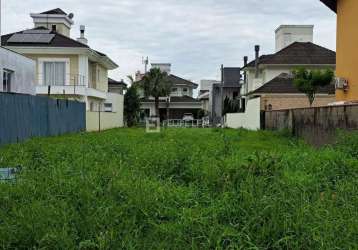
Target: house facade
{"points": [[17, 73], [116, 86], [214, 94], [179, 102], [268, 69], [224, 93], [206, 88], [268, 81], [65, 67], [347, 49]]}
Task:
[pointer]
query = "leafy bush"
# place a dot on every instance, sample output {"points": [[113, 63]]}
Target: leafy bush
{"points": [[181, 189]]}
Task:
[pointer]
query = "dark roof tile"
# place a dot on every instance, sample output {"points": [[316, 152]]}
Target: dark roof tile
{"points": [[178, 80], [283, 84], [117, 83], [299, 53], [332, 4], [58, 41], [56, 11]]}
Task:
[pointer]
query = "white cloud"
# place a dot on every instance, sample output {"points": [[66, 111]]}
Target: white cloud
{"points": [[195, 36]]}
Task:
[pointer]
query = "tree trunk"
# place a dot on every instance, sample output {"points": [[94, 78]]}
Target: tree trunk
{"points": [[168, 105], [157, 113]]}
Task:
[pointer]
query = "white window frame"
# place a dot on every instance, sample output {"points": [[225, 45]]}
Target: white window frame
{"points": [[40, 68], [109, 107], [9, 83]]}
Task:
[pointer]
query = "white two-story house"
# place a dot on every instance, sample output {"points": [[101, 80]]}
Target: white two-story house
{"points": [[179, 102], [65, 67], [270, 76], [268, 80]]}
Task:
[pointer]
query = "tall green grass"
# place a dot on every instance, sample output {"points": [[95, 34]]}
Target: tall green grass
{"points": [[181, 189]]}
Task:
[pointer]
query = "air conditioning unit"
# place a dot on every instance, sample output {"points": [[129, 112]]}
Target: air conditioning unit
{"points": [[341, 83]]}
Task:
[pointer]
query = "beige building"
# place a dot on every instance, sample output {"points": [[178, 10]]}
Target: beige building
{"points": [[66, 68], [280, 93]]}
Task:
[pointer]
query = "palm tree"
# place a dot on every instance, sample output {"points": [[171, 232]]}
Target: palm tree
{"points": [[131, 104], [156, 84]]}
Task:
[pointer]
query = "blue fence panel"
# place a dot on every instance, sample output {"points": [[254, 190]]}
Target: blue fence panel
{"points": [[26, 116]]}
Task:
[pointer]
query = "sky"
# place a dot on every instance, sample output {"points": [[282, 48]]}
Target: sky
{"points": [[196, 36]]}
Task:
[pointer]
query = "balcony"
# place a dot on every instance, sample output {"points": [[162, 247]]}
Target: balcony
{"points": [[74, 85]]}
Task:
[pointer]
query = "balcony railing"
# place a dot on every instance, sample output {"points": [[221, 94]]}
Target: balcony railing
{"points": [[74, 84], [69, 80], [178, 123]]}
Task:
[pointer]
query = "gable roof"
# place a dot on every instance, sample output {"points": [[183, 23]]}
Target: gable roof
{"points": [[283, 84], [116, 83], [59, 40], [176, 80], [299, 53], [332, 4], [56, 11]]}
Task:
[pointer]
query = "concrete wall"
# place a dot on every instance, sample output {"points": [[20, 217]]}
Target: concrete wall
{"points": [[316, 125], [108, 120], [60, 27], [347, 49], [288, 34], [71, 61], [23, 80], [249, 120], [279, 102], [117, 101], [102, 78]]}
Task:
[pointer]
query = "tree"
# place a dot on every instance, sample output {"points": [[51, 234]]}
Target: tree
{"points": [[309, 81], [231, 106], [131, 104], [156, 84]]}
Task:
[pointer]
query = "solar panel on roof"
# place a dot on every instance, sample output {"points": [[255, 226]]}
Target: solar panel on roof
{"points": [[31, 38], [44, 31]]}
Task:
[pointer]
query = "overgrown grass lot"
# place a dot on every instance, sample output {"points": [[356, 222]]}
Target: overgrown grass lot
{"points": [[180, 189]]}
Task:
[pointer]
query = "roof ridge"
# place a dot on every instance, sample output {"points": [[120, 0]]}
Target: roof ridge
{"points": [[182, 79], [67, 37], [55, 11]]}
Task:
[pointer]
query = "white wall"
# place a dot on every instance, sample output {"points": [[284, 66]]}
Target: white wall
{"points": [[288, 34], [24, 69], [173, 105], [108, 121], [249, 120], [270, 72]]}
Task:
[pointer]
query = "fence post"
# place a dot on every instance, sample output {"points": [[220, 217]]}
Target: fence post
{"points": [[99, 119]]}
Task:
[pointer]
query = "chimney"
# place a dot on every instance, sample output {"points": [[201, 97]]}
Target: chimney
{"points": [[246, 59], [257, 55], [82, 38]]}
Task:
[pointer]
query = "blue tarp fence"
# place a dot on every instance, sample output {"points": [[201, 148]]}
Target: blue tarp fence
{"points": [[26, 116]]}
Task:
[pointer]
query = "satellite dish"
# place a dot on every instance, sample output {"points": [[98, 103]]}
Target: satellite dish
{"points": [[71, 15]]}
